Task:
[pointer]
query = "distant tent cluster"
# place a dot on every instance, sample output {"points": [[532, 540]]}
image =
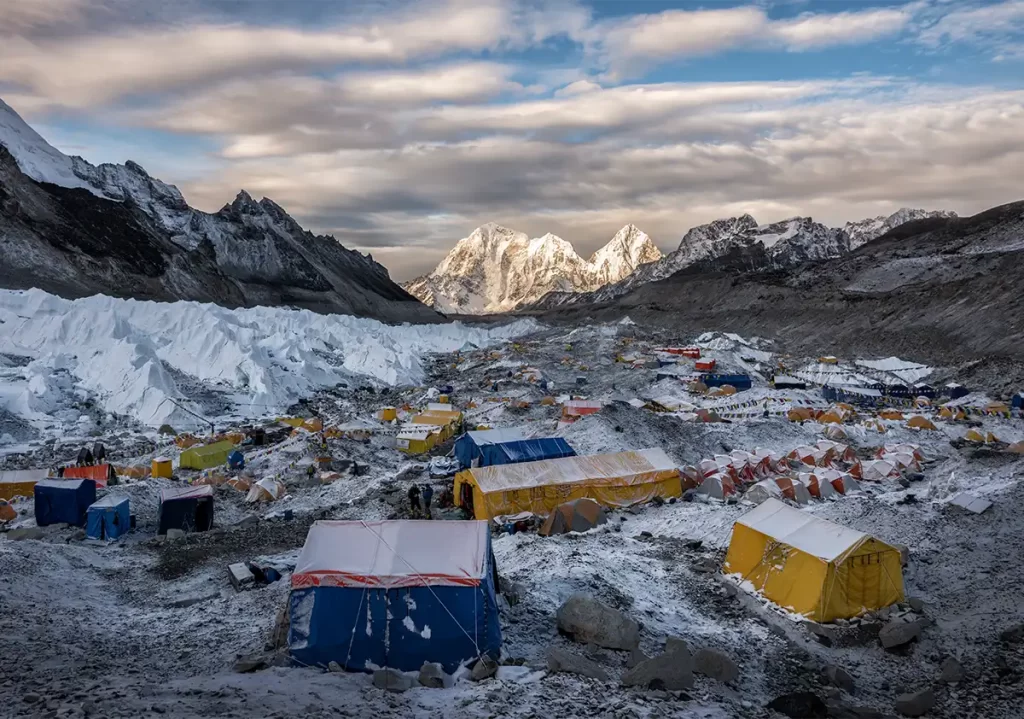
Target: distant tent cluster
{"points": [[436, 425]]}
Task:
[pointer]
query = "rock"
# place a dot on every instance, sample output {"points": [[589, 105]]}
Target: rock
{"points": [[904, 482], [671, 671], [952, 671], [249, 520], [392, 680], [30, 698], [904, 553], [191, 601], [511, 590], [635, 657], [334, 667], [1013, 635], [915, 704], [484, 669], [838, 709], [646, 534], [175, 534], [675, 644], [897, 634], [588, 620], [240, 576], [559, 660], [915, 476], [916, 604], [167, 429], [251, 663], [837, 676], [705, 565], [16, 535], [799, 705], [713, 663], [432, 675]]}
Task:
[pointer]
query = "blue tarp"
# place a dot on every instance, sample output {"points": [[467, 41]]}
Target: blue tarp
{"points": [[372, 620], [739, 381], [1017, 402], [859, 396], [108, 518], [63, 500], [524, 450], [236, 460]]}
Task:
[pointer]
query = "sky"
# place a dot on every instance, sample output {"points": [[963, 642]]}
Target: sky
{"points": [[399, 126]]}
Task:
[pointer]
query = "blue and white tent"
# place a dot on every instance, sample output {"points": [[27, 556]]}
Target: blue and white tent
{"points": [[108, 518], [63, 500], [485, 448], [394, 594]]}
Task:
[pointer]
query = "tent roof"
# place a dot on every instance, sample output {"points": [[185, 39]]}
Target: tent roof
{"points": [[62, 483], [497, 436], [414, 432], [389, 554], [811, 535], [111, 500], [504, 477], [194, 492], [23, 475], [211, 448]]}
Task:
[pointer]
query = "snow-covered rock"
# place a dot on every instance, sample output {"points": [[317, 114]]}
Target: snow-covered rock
{"points": [[863, 231], [496, 269]]}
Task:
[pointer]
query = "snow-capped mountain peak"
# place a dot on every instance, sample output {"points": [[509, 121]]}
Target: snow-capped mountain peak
{"points": [[496, 269], [863, 231]]}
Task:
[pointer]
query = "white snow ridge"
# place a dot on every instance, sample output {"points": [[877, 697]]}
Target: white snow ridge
{"points": [[131, 356]]}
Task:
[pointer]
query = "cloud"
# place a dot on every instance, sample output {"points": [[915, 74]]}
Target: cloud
{"points": [[21, 15], [985, 24], [809, 31]]}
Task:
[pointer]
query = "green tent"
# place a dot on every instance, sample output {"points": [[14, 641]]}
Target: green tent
{"points": [[212, 455]]}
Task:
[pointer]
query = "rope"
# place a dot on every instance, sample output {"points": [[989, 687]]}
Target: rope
{"points": [[427, 585], [359, 610]]}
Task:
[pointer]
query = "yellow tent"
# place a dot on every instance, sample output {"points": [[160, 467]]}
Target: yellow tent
{"points": [[20, 482], [990, 438], [446, 422], [828, 360], [799, 414], [212, 455], [614, 480], [387, 414], [1016, 448], [975, 436], [416, 440], [998, 408], [919, 422], [830, 417], [811, 566], [162, 467], [890, 414]]}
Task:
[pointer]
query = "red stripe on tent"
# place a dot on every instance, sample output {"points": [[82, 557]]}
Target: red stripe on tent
{"points": [[346, 579]]}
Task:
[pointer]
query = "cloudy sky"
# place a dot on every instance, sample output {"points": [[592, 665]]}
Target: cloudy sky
{"points": [[400, 125]]}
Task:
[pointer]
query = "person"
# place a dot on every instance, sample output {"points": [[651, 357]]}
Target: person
{"points": [[428, 494], [84, 457], [765, 406], [311, 471], [414, 499]]}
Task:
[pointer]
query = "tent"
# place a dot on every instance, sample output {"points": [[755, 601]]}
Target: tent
{"points": [[890, 414], [800, 414], [707, 365], [416, 440], [708, 415], [524, 450], [446, 421], [614, 480], [811, 566], [578, 515], [161, 467], [20, 482], [580, 407], [63, 500], [975, 436], [956, 391], [108, 518], [1000, 408], [387, 414], [236, 460], [718, 486], [101, 474], [782, 381], [210, 455], [875, 470], [794, 489], [920, 422], [188, 508], [1016, 448], [469, 448], [1017, 401], [763, 491], [394, 594], [740, 381], [834, 431], [267, 489], [830, 417]]}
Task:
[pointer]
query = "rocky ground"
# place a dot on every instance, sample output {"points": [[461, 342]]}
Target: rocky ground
{"points": [[147, 627]]}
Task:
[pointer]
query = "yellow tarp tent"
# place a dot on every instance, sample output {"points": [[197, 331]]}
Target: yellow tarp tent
{"points": [[890, 414], [211, 455], [20, 482], [161, 467], [975, 436], [446, 422], [614, 480], [919, 422], [811, 566], [416, 440]]}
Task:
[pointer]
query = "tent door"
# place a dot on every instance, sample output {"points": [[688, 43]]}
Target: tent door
{"points": [[204, 514], [864, 580], [466, 501]]}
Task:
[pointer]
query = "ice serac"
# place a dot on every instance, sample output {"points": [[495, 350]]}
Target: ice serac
{"points": [[76, 229], [496, 269], [863, 231]]}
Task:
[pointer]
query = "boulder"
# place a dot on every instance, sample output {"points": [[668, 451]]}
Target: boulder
{"points": [[432, 675], [799, 705], [588, 620], [897, 634], [917, 703], [251, 663], [951, 671], [675, 644], [334, 667], [916, 603], [559, 660], [837, 676], [1013, 635], [716, 665], [838, 709], [173, 534], [635, 657], [671, 671], [240, 576], [484, 669], [392, 680], [16, 535]]}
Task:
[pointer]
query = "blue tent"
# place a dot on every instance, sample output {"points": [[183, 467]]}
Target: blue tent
{"points": [[507, 446], [739, 381], [1017, 402], [859, 396], [108, 518], [394, 594], [63, 500], [236, 460]]}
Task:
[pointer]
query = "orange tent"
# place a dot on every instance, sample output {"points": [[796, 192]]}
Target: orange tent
{"points": [[578, 515], [919, 422], [1016, 448], [800, 414], [830, 417], [890, 414], [99, 473]]}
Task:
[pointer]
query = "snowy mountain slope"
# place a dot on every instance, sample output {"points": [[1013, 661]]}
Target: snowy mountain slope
{"points": [[864, 231], [496, 269], [132, 235], [752, 247]]}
